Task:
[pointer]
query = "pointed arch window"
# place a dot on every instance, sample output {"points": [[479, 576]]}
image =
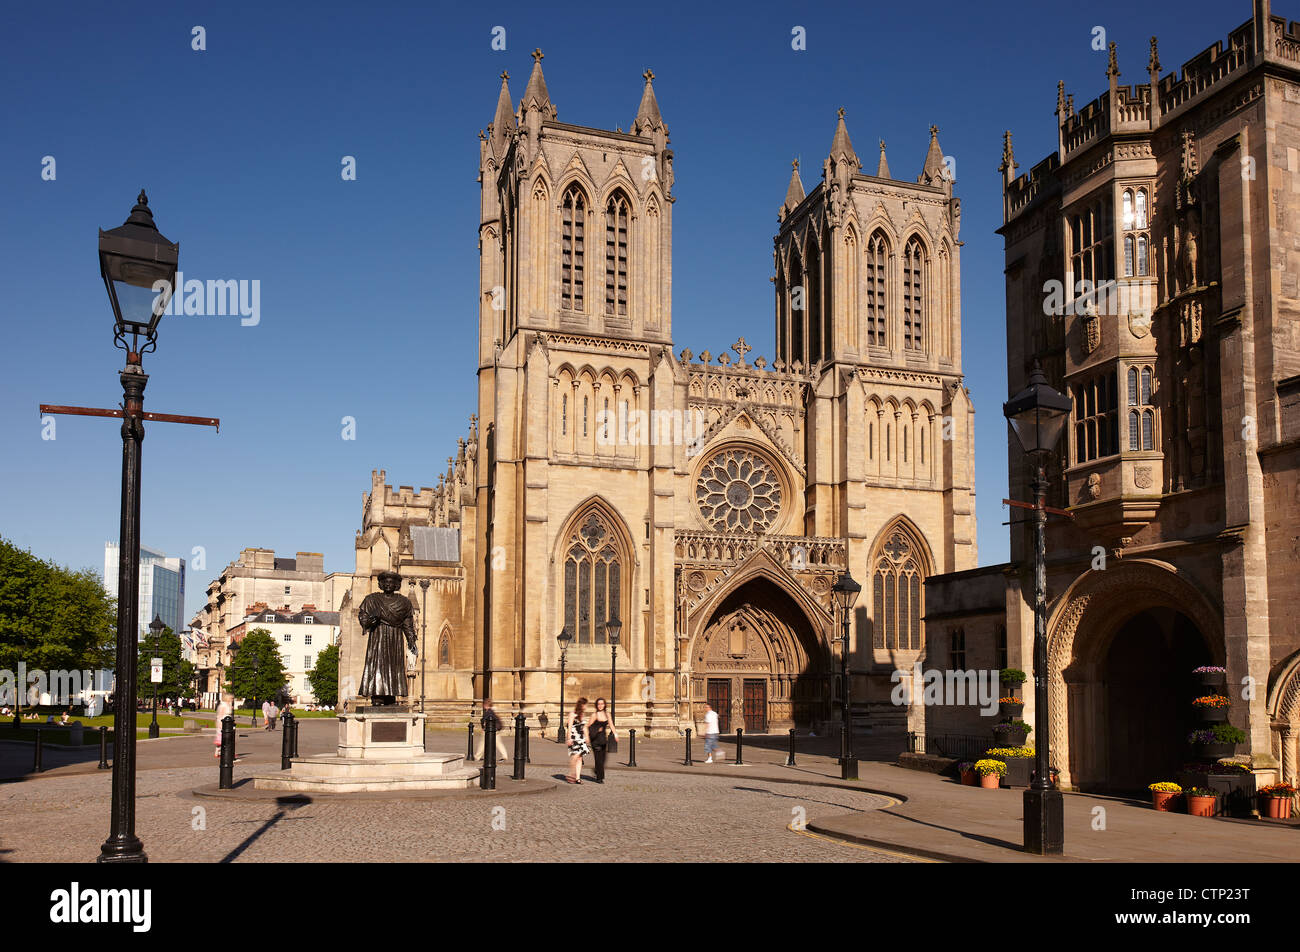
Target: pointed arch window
{"points": [[573, 252], [798, 311], [914, 278], [897, 588], [444, 650], [877, 290], [1134, 222], [616, 220], [593, 578]]}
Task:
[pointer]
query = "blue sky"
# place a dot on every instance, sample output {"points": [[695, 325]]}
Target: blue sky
{"points": [[368, 287]]}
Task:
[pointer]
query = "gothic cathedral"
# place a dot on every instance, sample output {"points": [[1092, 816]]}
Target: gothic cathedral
{"points": [[674, 523]]}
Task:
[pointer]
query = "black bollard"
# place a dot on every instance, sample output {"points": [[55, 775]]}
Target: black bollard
{"points": [[469, 747], [688, 747], [789, 760], [740, 743], [286, 741], [37, 767], [631, 747], [487, 778], [103, 748], [519, 748], [226, 772], [296, 725], [528, 736]]}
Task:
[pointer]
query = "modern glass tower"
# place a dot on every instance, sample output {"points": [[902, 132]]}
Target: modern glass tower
{"points": [[162, 586]]}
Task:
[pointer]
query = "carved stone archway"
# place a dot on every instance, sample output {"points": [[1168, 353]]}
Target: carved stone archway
{"points": [[1082, 625], [1284, 714]]}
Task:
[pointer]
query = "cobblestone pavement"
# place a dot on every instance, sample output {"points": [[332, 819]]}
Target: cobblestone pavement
{"points": [[645, 816]]}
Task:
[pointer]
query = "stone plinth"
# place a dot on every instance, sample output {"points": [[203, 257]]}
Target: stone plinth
{"points": [[380, 750]]}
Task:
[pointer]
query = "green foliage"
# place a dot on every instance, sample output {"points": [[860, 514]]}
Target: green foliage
{"points": [[257, 671], [1012, 676], [178, 674], [324, 678], [51, 617]]}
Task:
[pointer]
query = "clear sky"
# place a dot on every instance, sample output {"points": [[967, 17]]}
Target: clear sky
{"points": [[367, 305]]}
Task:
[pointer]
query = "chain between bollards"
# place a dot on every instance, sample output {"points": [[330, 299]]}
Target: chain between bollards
{"points": [[688, 747], [469, 746], [487, 778], [37, 767], [103, 748], [286, 740], [789, 760], [740, 745], [631, 747], [226, 773], [519, 748]]}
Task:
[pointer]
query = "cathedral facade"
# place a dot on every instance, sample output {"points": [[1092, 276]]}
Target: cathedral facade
{"points": [[682, 517]]}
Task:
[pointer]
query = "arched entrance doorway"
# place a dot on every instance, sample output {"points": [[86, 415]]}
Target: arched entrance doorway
{"points": [[759, 663], [1148, 696]]}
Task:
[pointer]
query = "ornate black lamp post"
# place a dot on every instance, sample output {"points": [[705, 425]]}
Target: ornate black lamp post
{"points": [[846, 592], [613, 627], [424, 629], [155, 628], [564, 638], [1037, 416], [138, 266], [221, 674]]}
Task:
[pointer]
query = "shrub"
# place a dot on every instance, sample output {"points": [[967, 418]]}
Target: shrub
{"points": [[986, 767], [1164, 786], [1012, 676]]}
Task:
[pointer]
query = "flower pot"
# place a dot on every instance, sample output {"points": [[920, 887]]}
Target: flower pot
{"points": [[989, 781], [1210, 679], [969, 778], [1213, 751], [1211, 715], [1201, 806], [1009, 738], [1164, 801], [1277, 808], [1011, 711]]}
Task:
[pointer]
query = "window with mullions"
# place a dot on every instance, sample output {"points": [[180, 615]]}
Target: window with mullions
{"points": [[573, 254], [1092, 243], [1134, 224], [616, 217], [957, 649], [877, 290], [593, 575], [914, 296], [1141, 410], [896, 594], [1096, 418]]}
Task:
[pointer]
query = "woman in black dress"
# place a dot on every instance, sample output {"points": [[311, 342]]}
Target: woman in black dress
{"points": [[599, 729], [577, 740]]}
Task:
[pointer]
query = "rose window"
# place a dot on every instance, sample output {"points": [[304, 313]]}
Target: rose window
{"points": [[738, 491]]}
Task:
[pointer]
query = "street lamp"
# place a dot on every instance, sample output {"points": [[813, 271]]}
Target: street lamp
{"points": [[155, 628], [138, 266], [1037, 416], [424, 629], [846, 592], [564, 638], [612, 629]]}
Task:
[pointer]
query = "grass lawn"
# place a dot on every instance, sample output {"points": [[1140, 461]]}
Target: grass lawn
{"points": [[141, 720]]}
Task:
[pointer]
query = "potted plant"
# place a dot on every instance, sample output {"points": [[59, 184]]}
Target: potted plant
{"points": [[1012, 677], [1209, 675], [1019, 761], [1217, 741], [1201, 801], [966, 771], [1276, 800], [1212, 708], [1163, 795], [1011, 734], [1010, 708], [990, 772]]}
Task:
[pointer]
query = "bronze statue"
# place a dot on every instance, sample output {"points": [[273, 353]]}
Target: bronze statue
{"points": [[385, 617]]}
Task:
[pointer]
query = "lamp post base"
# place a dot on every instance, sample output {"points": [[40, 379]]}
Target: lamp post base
{"points": [[122, 849], [1044, 822], [848, 768]]}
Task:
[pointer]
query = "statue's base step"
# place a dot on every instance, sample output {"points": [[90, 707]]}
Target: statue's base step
{"points": [[328, 774]]}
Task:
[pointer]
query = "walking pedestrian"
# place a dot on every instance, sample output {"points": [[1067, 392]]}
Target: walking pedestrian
{"points": [[272, 714], [600, 727], [266, 715], [490, 716], [577, 740], [710, 732]]}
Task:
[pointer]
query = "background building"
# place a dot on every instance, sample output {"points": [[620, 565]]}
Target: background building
{"points": [[300, 635], [162, 586]]}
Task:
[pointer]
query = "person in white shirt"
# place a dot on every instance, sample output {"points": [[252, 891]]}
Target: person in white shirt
{"points": [[710, 731]]}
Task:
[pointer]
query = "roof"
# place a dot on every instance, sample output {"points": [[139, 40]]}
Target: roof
{"points": [[435, 544]]}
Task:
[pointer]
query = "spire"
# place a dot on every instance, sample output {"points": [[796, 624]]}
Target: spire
{"points": [[882, 170], [647, 114], [841, 147], [535, 94], [1153, 64], [1112, 61], [503, 123], [795, 193], [1008, 166], [934, 171]]}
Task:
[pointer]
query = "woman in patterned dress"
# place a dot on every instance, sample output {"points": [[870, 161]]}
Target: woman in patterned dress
{"points": [[577, 740]]}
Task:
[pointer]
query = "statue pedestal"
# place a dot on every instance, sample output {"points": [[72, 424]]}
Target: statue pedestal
{"points": [[381, 750]]}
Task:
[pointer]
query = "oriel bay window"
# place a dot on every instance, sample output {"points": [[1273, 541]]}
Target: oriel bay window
{"points": [[1092, 244], [1133, 222], [1096, 418], [593, 576], [1141, 410]]}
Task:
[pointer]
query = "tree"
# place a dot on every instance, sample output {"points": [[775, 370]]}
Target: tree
{"points": [[324, 678], [51, 617], [257, 671], [178, 674]]}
